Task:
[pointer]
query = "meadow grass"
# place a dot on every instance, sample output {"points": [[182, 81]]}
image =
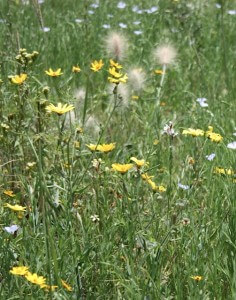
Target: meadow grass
{"points": [[108, 234]]}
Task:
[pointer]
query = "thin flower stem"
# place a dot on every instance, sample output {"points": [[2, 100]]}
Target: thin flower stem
{"points": [[161, 85]]}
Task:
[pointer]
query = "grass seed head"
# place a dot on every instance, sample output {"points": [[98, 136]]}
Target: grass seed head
{"points": [[137, 79], [165, 54], [116, 46]]}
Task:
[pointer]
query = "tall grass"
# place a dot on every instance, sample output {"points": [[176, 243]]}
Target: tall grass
{"points": [[110, 235]]}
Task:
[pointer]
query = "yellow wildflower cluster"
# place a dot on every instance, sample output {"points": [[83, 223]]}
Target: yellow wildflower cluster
{"points": [[193, 132], [214, 137], [9, 193], [116, 76], [155, 188], [16, 207], [223, 171], [36, 279], [105, 148], [25, 58]]}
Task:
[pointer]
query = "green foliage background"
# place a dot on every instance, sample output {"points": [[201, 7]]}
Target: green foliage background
{"points": [[139, 249]]}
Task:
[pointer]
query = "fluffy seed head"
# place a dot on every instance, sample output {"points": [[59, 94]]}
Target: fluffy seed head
{"points": [[165, 54], [116, 46], [137, 79]]}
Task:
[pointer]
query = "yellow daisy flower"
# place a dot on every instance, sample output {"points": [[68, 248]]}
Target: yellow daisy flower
{"points": [[139, 162], [214, 137], [96, 65], [122, 168], [16, 207], [22, 271], [76, 69], [155, 187], [197, 278], [146, 177], [106, 147], [134, 97], [18, 79], [60, 109], [118, 80], [48, 287], [161, 189], [35, 279], [114, 73], [66, 285], [115, 64], [223, 171], [156, 142], [52, 73], [193, 132], [159, 72], [92, 147], [9, 193], [102, 148]]}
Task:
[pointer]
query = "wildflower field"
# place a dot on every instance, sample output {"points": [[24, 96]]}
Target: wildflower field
{"points": [[118, 149]]}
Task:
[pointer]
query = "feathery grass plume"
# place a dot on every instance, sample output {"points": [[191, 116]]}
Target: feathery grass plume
{"points": [[116, 45], [137, 79], [165, 54]]}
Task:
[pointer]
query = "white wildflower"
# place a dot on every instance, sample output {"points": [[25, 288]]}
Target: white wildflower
{"points": [[184, 187], [95, 218], [138, 32], [122, 25], [11, 229], [169, 130], [210, 157], [121, 5], [202, 102], [232, 145]]}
